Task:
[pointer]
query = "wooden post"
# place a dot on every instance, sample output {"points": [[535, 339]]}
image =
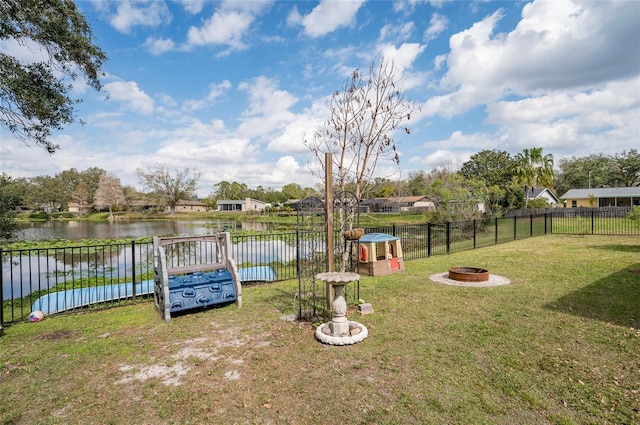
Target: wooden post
{"points": [[328, 201]]}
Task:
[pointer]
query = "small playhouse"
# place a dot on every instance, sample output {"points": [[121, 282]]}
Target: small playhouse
{"points": [[379, 254]]}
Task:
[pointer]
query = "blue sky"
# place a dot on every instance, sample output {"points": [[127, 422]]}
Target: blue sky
{"points": [[231, 89]]}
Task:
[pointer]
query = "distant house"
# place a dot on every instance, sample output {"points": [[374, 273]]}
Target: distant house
{"points": [[187, 206], [545, 194], [140, 205], [602, 197], [397, 204], [246, 204], [73, 207]]}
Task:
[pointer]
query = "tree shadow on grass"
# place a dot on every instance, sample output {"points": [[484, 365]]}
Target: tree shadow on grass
{"points": [[284, 301], [622, 248], [614, 299]]}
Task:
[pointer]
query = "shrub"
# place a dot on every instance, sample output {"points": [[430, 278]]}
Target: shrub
{"points": [[634, 215], [39, 215]]}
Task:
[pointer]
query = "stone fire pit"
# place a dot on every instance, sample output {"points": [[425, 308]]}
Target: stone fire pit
{"points": [[468, 274]]}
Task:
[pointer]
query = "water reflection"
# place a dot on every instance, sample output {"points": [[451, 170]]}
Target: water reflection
{"points": [[31, 270], [75, 230]]}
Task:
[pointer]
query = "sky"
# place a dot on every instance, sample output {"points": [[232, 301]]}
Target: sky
{"points": [[231, 89]]}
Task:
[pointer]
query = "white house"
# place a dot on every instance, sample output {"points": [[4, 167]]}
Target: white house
{"points": [[247, 204], [187, 206], [545, 194]]}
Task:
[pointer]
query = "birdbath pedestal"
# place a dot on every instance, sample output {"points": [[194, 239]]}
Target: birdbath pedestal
{"points": [[339, 325]]}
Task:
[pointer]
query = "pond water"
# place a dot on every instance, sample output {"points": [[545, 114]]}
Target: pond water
{"points": [[27, 271], [115, 229]]}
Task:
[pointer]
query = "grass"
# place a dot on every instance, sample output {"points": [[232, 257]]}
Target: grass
{"points": [[559, 345]]}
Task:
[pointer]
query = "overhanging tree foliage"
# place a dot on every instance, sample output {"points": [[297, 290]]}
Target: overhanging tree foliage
{"points": [[35, 97]]}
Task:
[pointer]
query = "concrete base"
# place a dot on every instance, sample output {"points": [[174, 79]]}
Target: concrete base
{"points": [[358, 332], [492, 281]]}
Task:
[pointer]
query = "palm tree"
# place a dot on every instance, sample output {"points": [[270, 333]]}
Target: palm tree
{"points": [[532, 170]]}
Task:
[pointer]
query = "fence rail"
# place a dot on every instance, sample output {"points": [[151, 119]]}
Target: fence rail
{"points": [[27, 274]]}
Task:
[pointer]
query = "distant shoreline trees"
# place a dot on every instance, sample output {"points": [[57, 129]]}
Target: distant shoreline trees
{"points": [[488, 173]]}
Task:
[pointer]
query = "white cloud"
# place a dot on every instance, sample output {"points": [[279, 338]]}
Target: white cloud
{"points": [[217, 90], [158, 46], [291, 139], [556, 45], [192, 6], [226, 27], [129, 93], [131, 14], [437, 25], [395, 32], [294, 18], [268, 108], [404, 56], [228, 24], [563, 122], [329, 15]]}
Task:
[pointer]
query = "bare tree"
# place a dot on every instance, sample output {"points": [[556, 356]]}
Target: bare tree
{"points": [[80, 196], [171, 187], [363, 118], [109, 193]]}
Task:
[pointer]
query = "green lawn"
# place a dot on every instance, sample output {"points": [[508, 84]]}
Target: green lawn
{"points": [[559, 345]]}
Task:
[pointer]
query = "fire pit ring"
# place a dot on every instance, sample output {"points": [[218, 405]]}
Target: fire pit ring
{"points": [[468, 274]]}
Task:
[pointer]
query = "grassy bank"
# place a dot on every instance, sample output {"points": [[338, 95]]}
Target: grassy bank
{"points": [[559, 345]]}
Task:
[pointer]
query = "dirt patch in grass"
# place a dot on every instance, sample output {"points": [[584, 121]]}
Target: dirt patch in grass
{"points": [[62, 334]]}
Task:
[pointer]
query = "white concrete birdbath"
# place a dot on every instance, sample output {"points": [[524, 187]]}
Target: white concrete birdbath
{"points": [[340, 331]]}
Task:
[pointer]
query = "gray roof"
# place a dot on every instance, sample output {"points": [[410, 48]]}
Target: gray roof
{"points": [[603, 192], [538, 191]]}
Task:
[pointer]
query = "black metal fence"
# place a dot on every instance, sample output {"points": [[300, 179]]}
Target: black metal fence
{"points": [[28, 274]]}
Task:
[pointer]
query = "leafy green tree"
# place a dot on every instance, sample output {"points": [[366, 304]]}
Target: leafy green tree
{"points": [[35, 97], [382, 188], [9, 200], [69, 181], [45, 194], [230, 191], [169, 186], [585, 172], [495, 169], [418, 183], [533, 169], [455, 197], [626, 171], [491, 167], [293, 191]]}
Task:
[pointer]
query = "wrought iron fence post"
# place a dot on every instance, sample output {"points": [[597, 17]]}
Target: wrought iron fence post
{"points": [[530, 225], [428, 240], [474, 233], [496, 231], [393, 229], [545, 222], [133, 268], [515, 227], [448, 242], [592, 220]]}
